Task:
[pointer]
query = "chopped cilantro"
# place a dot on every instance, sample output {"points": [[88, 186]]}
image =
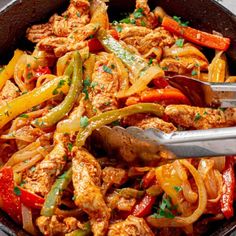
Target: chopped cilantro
{"points": [[60, 84], [178, 19], [29, 75], [143, 23], [107, 103], [165, 209], [150, 61], [177, 188], [24, 116], [197, 117], [17, 191], [194, 72], [138, 13], [179, 43], [84, 121], [87, 82], [118, 28], [70, 146], [165, 68], [107, 69], [125, 20], [93, 84], [66, 17], [32, 169], [78, 14]]}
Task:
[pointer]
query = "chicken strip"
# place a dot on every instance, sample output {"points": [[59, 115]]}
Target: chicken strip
{"points": [[42, 178], [201, 118], [57, 225], [111, 175], [105, 84], [132, 226], [144, 121], [86, 181], [76, 16]]}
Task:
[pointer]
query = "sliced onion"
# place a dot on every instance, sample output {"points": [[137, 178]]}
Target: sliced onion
{"points": [[27, 220], [26, 165], [184, 221]]}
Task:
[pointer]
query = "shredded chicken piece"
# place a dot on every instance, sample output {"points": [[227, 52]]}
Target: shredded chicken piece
{"points": [[105, 81], [57, 225], [41, 180], [86, 181], [145, 121], [115, 201], [132, 226], [144, 39], [148, 19], [76, 16], [201, 118], [111, 175]]}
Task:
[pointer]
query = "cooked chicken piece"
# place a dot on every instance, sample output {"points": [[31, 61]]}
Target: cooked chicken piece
{"points": [[184, 65], [144, 40], [76, 16], [157, 38], [132, 226], [184, 59], [57, 225], [9, 92], [145, 121], [62, 45], [133, 30], [200, 118], [41, 180], [115, 201], [111, 175], [146, 17], [86, 181], [105, 84]]}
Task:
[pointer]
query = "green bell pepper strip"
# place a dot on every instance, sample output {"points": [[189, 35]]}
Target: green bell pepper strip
{"points": [[54, 196], [110, 116], [33, 98], [81, 232], [58, 112], [133, 61]]}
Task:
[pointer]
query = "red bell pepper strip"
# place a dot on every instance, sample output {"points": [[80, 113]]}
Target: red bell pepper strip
{"points": [[9, 201], [164, 96], [196, 36], [149, 179], [95, 45], [42, 70], [227, 198], [31, 200], [144, 207]]}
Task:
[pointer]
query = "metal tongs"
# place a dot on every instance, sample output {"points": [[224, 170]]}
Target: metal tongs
{"points": [[182, 144]]}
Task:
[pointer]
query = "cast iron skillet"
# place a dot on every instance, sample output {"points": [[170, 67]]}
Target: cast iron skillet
{"points": [[17, 15]]}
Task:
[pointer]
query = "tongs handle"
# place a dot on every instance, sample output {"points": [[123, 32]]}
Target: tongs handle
{"points": [[197, 143]]}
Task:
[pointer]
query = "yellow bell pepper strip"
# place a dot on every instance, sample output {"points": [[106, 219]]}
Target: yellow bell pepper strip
{"points": [[8, 71], [58, 112], [196, 36], [111, 116], [54, 196], [81, 232], [33, 98]]}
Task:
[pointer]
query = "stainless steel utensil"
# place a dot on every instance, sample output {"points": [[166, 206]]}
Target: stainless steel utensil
{"points": [[180, 144], [205, 94]]}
